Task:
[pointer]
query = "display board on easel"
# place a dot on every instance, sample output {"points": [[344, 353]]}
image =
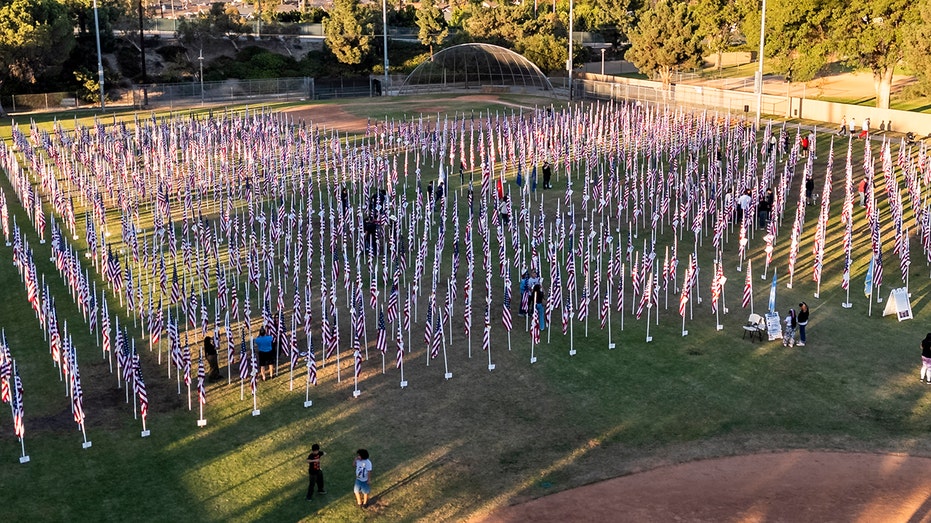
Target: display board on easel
{"points": [[899, 304]]}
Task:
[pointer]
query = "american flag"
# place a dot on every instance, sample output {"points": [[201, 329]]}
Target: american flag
{"points": [[292, 343], [311, 362], [506, 309], [243, 360], [327, 334], [19, 428], [381, 341], [605, 308], [716, 286], [201, 374], [687, 288], [748, 287], [428, 325], [406, 317], [400, 341], [645, 300], [393, 304], [583, 306], [905, 261], [486, 332], [253, 373], [357, 356], [845, 282], [437, 336], [6, 370], [77, 395], [535, 325]]}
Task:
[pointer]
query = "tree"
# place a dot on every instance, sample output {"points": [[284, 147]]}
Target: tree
{"points": [[918, 47], [798, 39], [872, 34], [433, 28], [717, 19], [545, 50], [665, 40], [36, 37], [348, 32], [267, 10], [217, 22]]}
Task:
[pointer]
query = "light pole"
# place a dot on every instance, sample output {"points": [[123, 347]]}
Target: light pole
{"points": [[759, 72], [384, 23], [103, 102], [569, 61], [602, 61], [201, 60]]}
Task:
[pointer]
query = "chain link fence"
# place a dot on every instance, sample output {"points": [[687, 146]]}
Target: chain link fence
{"points": [[226, 91], [196, 93]]}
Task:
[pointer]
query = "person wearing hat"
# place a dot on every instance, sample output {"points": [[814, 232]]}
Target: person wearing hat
{"points": [[926, 359], [802, 322]]}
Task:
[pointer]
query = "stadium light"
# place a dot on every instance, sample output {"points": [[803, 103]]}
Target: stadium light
{"points": [[759, 72], [569, 61], [103, 102], [384, 22]]}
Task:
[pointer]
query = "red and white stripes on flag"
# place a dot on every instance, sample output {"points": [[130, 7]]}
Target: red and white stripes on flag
{"points": [[748, 287], [687, 286]]}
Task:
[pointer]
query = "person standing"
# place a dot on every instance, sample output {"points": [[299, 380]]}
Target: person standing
{"points": [[210, 353], [788, 338], [861, 190], [743, 206], [547, 174], [504, 211], [762, 211], [362, 488], [314, 471], [843, 127], [802, 322], [263, 344], [539, 303], [809, 190], [926, 359]]}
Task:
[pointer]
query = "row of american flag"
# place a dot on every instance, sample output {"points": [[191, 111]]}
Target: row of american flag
{"points": [[253, 206]]}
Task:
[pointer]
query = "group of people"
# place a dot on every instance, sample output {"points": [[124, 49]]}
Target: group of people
{"points": [[363, 475], [532, 296], [851, 128], [796, 321]]}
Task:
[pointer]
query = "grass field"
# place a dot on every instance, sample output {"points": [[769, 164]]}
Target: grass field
{"points": [[457, 448]]}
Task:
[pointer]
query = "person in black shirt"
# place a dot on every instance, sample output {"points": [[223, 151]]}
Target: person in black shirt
{"points": [[210, 353], [314, 471], [762, 211], [802, 322]]}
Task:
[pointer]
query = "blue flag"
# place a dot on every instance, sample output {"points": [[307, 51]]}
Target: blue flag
{"points": [[868, 284], [772, 294]]}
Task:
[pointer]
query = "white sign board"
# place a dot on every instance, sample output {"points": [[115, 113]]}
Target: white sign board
{"points": [[899, 304], [773, 327]]}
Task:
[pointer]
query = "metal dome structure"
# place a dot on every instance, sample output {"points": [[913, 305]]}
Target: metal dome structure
{"points": [[487, 67]]}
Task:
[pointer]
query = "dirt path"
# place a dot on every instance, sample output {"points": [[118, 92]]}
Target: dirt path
{"points": [[791, 486]]}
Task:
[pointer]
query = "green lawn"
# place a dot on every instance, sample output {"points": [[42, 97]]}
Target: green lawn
{"points": [[451, 449]]}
